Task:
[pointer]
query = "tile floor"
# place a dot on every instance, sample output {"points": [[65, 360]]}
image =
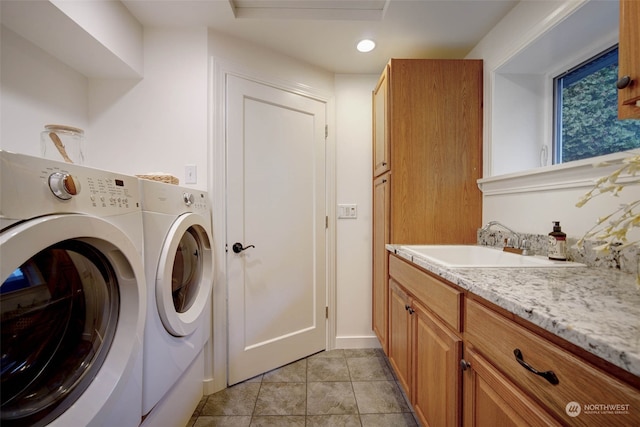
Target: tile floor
{"points": [[336, 388]]}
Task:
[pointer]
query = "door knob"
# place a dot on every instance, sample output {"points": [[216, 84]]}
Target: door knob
{"points": [[237, 247]]}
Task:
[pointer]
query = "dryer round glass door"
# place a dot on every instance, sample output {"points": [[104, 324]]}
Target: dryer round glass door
{"points": [[69, 295], [59, 312], [183, 281], [186, 275]]}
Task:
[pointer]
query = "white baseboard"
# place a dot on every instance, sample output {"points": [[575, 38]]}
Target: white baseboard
{"points": [[208, 387], [357, 342]]}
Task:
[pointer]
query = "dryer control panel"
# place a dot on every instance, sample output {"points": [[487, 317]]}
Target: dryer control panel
{"points": [[172, 199], [34, 186]]}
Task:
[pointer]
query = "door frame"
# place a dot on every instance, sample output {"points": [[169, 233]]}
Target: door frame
{"points": [[216, 349]]}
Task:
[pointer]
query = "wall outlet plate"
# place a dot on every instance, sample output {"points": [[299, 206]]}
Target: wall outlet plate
{"points": [[190, 174], [347, 211]]}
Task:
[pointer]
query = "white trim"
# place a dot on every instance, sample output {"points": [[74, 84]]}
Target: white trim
{"points": [[540, 30], [331, 207], [217, 345], [578, 174], [538, 35], [219, 69]]}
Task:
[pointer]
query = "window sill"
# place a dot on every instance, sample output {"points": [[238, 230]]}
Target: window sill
{"points": [[578, 174]]}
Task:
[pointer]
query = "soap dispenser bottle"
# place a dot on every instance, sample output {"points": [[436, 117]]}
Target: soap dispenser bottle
{"points": [[557, 243]]}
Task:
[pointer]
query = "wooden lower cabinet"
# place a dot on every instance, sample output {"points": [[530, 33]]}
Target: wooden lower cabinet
{"points": [[400, 329], [567, 378], [468, 374], [425, 355], [436, 355], [492, 400]]}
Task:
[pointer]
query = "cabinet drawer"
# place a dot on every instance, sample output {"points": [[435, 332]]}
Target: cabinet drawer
{"points": [[442, 299], [602, 399]]}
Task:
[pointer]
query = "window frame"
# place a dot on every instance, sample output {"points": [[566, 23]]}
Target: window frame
{"points": [[595, 62]]}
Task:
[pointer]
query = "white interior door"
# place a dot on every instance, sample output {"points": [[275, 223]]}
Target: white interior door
{"points": [[275, 202]]}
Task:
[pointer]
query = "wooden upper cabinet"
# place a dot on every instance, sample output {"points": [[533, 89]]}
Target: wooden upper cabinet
{"points": [[434, 121], [381, 157], [629, 59]]}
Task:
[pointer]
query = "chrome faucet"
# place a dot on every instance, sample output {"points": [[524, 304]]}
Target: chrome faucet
{"points": [[518, 242]]}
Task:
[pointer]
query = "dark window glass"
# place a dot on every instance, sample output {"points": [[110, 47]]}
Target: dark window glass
{"points": [[586, 112]]}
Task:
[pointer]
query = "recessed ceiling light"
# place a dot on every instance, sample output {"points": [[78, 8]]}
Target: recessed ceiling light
{"points": [[366, 45]]}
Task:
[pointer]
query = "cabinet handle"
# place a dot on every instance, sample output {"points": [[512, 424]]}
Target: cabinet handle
{"points": [[464, 365], [547, 375], [384, 163], [623, 82], [407, 307]]}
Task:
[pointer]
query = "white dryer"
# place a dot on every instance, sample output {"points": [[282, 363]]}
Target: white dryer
{"points": [[73, 295], [179, 267]]}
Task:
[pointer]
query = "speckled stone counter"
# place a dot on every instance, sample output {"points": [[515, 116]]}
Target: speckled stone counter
{"points": [[595, 309]]}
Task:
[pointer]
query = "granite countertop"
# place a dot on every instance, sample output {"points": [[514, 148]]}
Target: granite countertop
{"points": [[596, 309]]}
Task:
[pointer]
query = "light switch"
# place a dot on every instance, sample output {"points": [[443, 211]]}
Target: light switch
{"points": [[347, 211], [190, 174]]}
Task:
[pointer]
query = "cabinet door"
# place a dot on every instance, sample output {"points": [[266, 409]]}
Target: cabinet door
{"points": [[400, 335], [629, 59], [491, 400], [380, 292], [436, 150], [437, 352], [381, 156]]}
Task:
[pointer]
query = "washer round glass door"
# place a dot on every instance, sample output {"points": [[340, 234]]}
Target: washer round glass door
{"points": [[183, 281], [60, 303]]}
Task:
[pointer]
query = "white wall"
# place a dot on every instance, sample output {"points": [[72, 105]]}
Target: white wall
{"points": [[350, 134], [233, 56], [354, 178], [528, 201], [112, 25], [158, 123], [36, 89], [166, 120]]}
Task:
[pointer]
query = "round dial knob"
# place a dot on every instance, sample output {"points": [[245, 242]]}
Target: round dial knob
{"points": [[63, 185], [188, 199]]}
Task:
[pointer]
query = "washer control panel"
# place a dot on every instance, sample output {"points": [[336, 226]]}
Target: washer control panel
{"points": [[33, 186]]}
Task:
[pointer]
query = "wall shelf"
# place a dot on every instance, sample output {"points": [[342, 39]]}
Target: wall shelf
{"points": [[97, 39]]}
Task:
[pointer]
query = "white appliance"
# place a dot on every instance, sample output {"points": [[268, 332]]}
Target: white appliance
{"points": [[179, 268], [73, 295]]}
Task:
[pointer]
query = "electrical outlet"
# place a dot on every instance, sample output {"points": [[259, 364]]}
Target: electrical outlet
{"points": [[190, 174], [347, 211]]}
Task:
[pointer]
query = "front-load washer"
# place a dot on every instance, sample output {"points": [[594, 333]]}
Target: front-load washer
{"points": [[179, 269], [73, 295]]}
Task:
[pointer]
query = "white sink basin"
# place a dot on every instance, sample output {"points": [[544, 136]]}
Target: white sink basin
{"points": [[467, 256]]}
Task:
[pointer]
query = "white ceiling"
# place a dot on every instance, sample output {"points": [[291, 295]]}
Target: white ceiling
{"points": [[325, 32]]}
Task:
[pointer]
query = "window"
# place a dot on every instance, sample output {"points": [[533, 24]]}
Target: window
{"points": [[586, 111]]}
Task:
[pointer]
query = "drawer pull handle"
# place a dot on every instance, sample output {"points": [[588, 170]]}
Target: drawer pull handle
{"points": [[548, 375]]}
